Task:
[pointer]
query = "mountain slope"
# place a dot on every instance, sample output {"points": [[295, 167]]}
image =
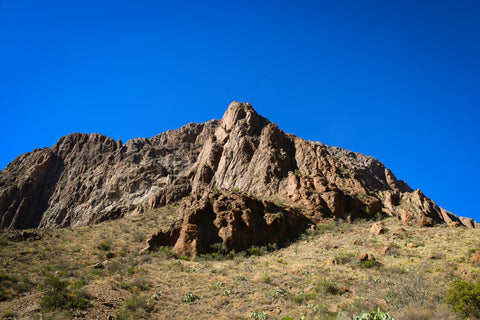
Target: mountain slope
{"points": [[86, 179]]}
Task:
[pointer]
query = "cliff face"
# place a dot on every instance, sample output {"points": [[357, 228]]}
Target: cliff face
{"points": [[86, 179]]}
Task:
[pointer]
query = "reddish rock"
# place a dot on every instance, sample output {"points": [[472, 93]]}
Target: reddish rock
{"points": [[238, 221], [378, 228], [366, 257], [399, 232], [385, 250], [475, 258], [469, 222], [424, 221]]}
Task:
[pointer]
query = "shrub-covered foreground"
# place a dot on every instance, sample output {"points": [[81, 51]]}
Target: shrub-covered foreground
{"points": [[96, 272]]}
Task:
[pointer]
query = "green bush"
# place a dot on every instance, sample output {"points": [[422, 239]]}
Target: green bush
{"points": [[137, 307], [464, 297], [257, 315], [321, 228], [367, 264], [218, 251], [262, 250], [328, 287], [376, 314], [190, 297], [104, 245], [137, 302], [60, 296]]}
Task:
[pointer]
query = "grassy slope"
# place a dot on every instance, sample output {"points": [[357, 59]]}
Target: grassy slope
{"points": [[317, 277]]}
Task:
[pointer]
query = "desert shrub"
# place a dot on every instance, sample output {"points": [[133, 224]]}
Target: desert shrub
{"points": [[408, 288], [11, 286], [8, 315], [267, 279], [137, 302], [190, 297], [302, 297], [324, 227], [104, 245], [218, 251], [328, 287], [367, 264], [262, 250], [376, 314], [138, 236], [277, 293], [428, 311], [464, 297], [137, 307], [6, 283], [116, 266], [166, 250], [380, 216], [257, 315], [58, 295]]}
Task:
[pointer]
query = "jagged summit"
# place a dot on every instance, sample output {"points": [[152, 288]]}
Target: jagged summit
{"points": [[86, 179], [242, 115]]}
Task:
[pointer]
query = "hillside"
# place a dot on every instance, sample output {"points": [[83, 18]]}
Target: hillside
{"points": [[319, 276], [228, 219]]}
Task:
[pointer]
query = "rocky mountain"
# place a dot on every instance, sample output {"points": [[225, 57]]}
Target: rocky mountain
{"points": [[246, 159]]}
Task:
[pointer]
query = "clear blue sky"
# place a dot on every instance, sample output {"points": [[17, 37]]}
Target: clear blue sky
{"points": [[398, 80]]}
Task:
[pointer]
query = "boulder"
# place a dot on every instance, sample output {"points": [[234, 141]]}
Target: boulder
{"points": [[378, 228]]}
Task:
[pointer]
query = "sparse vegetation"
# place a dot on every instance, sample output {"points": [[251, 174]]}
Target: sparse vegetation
{"points": [[59, 295], [317, 277], [137, 307], [376, 314], [257, 315], [11, 286], [190, 297], [367, 264]]}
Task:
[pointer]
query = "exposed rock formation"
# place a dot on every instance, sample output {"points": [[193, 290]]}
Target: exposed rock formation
{"points": [[86, 179], [238, 221], [378, 228]]}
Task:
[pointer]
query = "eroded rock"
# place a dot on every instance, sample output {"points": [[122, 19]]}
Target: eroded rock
{"points": [[237, 220]]}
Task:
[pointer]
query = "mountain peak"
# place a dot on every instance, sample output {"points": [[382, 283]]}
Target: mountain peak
{"points": [[85, 179], [242, 114]]}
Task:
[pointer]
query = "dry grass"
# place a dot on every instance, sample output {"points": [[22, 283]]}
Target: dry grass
{"points": [[317, 277]]}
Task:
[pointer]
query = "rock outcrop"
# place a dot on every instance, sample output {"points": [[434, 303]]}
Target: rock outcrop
{"points": [[237, 221], [86, 179]]}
